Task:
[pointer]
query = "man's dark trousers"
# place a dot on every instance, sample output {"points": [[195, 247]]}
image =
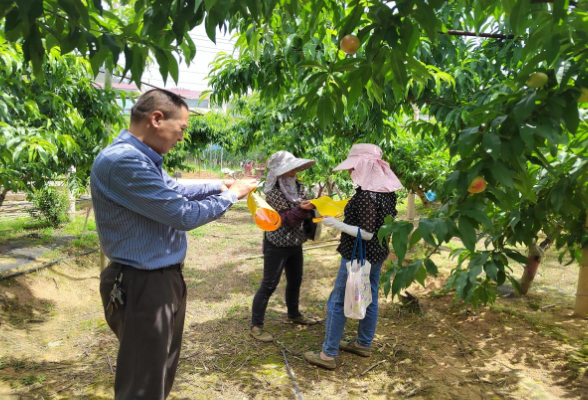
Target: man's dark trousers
{"points": [[149, 329]]}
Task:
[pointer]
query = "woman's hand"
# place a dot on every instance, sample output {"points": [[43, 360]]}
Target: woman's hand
{"points": [[307, 205], [329, 221]]}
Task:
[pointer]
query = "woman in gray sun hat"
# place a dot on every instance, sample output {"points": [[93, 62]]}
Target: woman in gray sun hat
{"points": [[282, 248]]}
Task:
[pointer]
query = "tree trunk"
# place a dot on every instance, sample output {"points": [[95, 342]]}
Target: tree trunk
{"points": [[71, 208], [410, 207], [329, 187], [535, 256], [338, 191], [581, 308], [3, 195], [321, 187], [422, 196]]}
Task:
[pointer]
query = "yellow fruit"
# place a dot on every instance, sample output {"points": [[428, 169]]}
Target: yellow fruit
{"points": [[350, 44], [537, 80], [584, 96], [478, 185]]}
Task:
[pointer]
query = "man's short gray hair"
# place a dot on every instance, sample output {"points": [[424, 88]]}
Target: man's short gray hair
{"points": [[165, 101]]}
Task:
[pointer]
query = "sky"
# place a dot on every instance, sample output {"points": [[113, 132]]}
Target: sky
{"points": [[193, 77]]}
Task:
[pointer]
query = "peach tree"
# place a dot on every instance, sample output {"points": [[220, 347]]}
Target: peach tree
{"points": [[51, 125]]}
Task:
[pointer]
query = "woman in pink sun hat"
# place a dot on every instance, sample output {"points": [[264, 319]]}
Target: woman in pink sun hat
{"points": [[372, 202]]}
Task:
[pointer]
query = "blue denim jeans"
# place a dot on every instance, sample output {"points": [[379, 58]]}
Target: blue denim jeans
{"points": [[336, 319]]}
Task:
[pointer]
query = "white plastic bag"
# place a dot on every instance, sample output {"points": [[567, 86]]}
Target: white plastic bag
{"points": [[358, 290]]}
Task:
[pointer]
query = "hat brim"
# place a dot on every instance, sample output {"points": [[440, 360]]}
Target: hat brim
{"points": [[300, 164], [348, 164]]}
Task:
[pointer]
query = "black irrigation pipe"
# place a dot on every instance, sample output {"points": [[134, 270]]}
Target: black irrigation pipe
{"points": [[26, 271]]}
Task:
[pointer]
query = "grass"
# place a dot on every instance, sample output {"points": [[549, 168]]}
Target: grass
{"points": [[29, 228], [15, 225]]}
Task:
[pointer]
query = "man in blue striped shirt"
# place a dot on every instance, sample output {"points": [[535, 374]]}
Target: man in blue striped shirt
{"points": [[142, 216]]}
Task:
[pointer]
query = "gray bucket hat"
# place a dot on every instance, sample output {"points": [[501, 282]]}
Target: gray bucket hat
{"points": [[282, 162]]}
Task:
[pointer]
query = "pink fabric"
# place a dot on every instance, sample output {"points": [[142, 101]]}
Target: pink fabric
{"points": [[370, 172]]}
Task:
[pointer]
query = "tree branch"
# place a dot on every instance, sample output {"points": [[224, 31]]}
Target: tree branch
{"points": [[474, 34], [572, 3], [499, 35]]}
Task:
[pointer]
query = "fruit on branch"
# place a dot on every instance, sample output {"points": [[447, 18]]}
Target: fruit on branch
{"points": [[350, 44], [478, 185], [537, 80]]}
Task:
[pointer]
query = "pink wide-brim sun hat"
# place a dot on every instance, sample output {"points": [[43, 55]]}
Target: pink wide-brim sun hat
{"points": [[370, 172]]}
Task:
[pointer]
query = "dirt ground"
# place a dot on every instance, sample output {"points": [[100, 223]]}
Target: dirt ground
{"points": [[55, 343]]}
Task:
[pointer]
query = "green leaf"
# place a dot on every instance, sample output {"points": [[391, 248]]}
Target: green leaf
{"points": [[467, 140], [325, 111], [312, 64], [70, 9], [108, 40], [387, 286], [210, 26], [420, 275], [475, 265], [479, 216], [400, 233], [425, 16], [347, 64], [419, 70], [400, 80], [518, 16], [173, 67], [34, 51], [415, 238], [163, 62], [515, 255], [560, 9], [356, 83], [524, 108], [431, 267], [508, 6], [527, 133], [571, 116], [502, 174], [425, 230], [400, 281], [467, 233], [562, 71], [350, 22], [491, 270], [98, 6], [492, 145], [208, 4]]}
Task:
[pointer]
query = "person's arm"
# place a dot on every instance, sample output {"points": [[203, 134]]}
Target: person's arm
{"points": [[351, 230], [290, 216], [192, 192], [140, 188], [367, 215]]}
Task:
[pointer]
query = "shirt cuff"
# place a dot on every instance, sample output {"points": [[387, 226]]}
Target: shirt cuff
{"points": [[217, 187], [230, 195]]}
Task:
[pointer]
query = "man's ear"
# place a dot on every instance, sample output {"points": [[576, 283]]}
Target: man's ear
{"points": [[156, 118]]}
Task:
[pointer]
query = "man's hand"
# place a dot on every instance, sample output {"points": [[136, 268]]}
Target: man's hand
{"points": [[242, 187], [226, 184], [307, 205]]}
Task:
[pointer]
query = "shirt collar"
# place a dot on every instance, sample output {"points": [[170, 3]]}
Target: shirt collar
{"points": [[128, 137]]}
